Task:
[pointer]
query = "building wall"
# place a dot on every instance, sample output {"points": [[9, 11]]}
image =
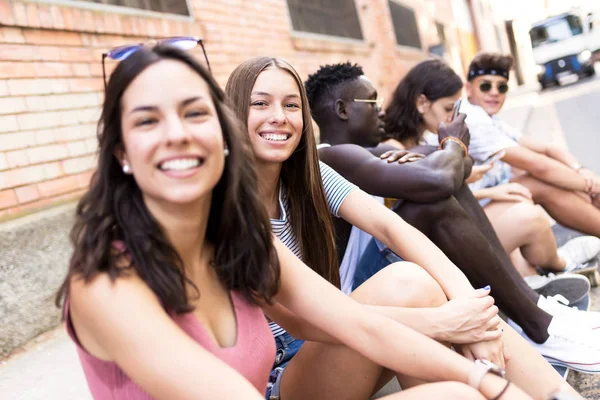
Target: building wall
{"points": [[51, 76]]}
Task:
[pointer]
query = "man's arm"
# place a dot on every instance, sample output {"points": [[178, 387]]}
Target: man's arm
{"points": [[430, 179], [555, 152], [544, 168]]}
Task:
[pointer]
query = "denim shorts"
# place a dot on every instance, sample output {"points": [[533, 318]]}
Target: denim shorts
{"points": [[376, 257], [287, 347]]}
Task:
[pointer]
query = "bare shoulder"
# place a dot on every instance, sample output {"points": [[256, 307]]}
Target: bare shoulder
{"points": [[102, 302]]}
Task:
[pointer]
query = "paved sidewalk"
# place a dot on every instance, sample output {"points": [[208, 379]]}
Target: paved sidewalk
{"points": [[46, 369]]}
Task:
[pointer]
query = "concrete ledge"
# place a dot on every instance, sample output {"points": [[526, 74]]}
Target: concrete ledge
{"points": [[34, 254]]}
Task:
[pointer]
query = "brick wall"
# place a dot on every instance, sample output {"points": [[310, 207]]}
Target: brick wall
{"points": [[51, 75]]}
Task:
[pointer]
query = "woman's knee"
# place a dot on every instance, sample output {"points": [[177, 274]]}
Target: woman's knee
{"points": [[402, 284], [530, 217]]}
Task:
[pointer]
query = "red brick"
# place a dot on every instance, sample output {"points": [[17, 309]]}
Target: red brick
{"points": [[80, 164], [11, 69], [99, 22], [21, 176], [12, 105], [57, 19], [53, 69], [6, 14], [18, 52], [45, 136], [81, 69], [3, 163], [33, 17], [27, 194], [47, 153], [35, 103], [31, 121], [12, 35], [19, 140], [8, 123], [67, 14], [49, 53], [83, 179], [16, 159], [7, 198], [44, 37], [45, 16], [18, 87], [20, 14], [53, 170], [86, 84], [58, 186], [87, 21], [79, 54]]}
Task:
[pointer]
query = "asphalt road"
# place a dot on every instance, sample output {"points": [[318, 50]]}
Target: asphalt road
{"points": [[575, 110]]}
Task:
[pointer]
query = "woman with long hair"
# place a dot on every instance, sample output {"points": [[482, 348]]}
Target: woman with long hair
{"points": [[174, 260], [422, 101], [301, 194]]}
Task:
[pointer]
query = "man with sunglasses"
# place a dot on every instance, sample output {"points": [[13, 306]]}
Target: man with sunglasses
{"points": [[568, 191]]}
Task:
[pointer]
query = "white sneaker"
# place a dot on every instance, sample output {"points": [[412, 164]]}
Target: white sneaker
{"points": [[580, 250], [569, 346], [558, 306]]}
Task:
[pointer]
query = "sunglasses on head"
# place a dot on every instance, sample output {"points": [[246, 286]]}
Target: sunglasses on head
{"points": [[181, 42], [487, 86]]}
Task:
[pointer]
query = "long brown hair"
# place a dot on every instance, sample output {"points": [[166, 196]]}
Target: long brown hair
{"points": [[113, 208], [300, 174]]}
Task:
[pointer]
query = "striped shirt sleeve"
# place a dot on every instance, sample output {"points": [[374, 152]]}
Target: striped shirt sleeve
{"points": [[336, 188]]}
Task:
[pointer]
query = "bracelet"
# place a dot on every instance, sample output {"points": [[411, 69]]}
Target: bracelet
{"points": [[503, 391], [455, 140]]}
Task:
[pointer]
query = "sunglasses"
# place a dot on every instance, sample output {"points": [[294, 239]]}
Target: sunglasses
{"points": [[487, 86], [378, 102], [181, 42]]}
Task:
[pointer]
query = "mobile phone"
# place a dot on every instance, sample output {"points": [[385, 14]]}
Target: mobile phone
{"points": [[456, 109], [495, 157]]}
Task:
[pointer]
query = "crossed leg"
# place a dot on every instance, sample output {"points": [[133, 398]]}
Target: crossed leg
{"points": [[326, 371], [567, 207], [526, 227]]}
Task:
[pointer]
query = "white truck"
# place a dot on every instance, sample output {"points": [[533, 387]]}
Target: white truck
{"points": [[563, 47]]}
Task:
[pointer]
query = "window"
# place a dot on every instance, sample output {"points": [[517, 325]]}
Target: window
{"points": [[165, 6], [439, 47], [405, 25], [332, 17]]}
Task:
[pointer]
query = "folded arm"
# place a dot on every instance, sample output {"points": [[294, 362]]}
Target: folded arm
{"points": [[430, 179]]}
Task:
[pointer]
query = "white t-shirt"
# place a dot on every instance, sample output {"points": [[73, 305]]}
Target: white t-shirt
{"points": [[489, 135]]}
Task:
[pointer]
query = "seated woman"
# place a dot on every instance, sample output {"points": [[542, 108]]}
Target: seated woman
{"points": [[301, 193], [174, 259], [422, 101]]}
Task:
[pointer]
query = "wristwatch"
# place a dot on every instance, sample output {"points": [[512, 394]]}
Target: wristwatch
{"points": [[483, 367]]}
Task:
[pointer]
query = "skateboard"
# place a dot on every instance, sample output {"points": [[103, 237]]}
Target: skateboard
{"points": [[584, 305], [591, 272]]}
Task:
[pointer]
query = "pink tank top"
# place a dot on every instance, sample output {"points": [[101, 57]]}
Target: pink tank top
{"points": [[252, 356]]}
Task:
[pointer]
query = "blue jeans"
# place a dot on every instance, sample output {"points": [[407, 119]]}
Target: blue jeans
{"points": [[287, 347], [375, 258]]}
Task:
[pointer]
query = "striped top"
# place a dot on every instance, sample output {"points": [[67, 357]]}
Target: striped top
{"points": [[336, 190]]}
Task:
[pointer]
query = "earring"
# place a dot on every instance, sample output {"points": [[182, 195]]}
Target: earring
{"points": [[126, 169], [226, 151]]}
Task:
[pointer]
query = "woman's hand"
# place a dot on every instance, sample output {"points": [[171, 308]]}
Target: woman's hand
{"points": [[477, 172], [402, 156], [592, 182], [469, 319], [492, 350], [510, 192], [457, 129]]}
